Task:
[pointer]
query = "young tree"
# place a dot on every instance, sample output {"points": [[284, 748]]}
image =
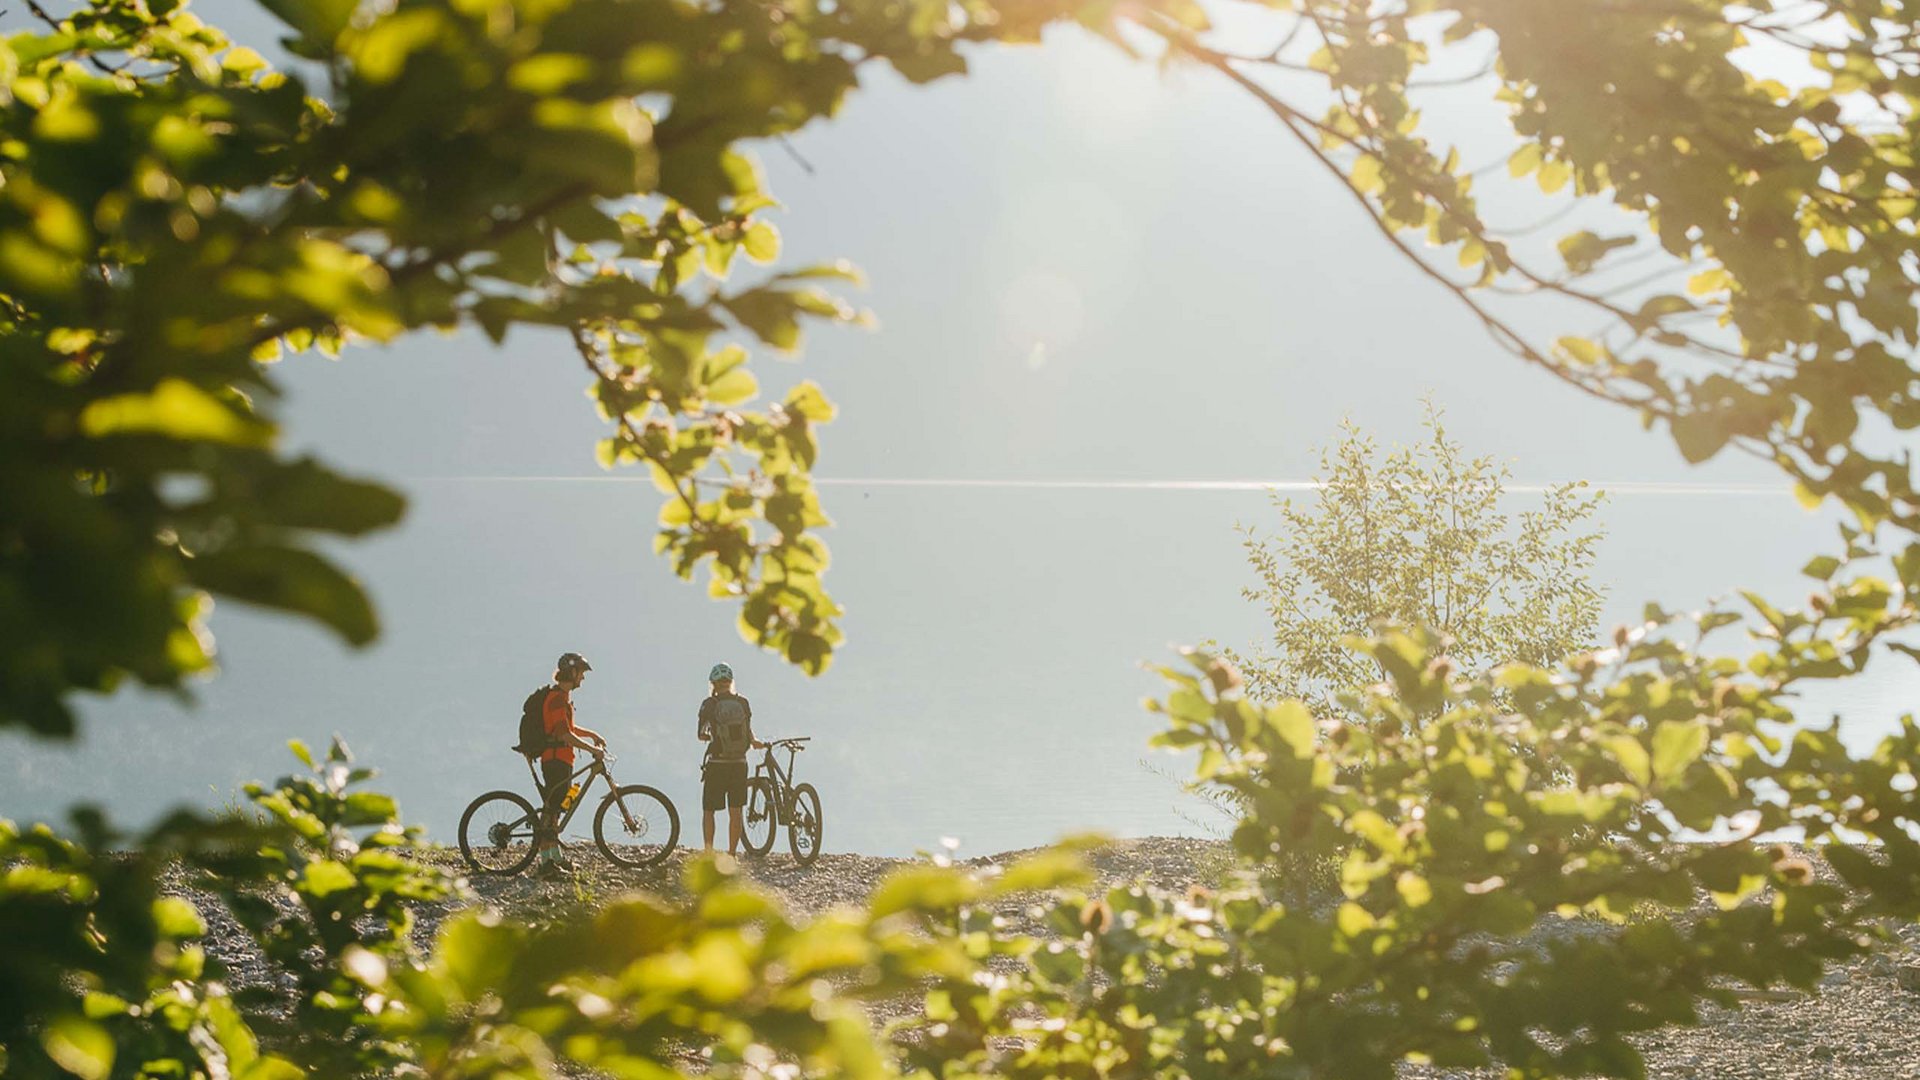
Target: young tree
{"points": [[1420, 537]]}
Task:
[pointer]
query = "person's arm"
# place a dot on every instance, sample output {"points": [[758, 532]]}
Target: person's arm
{"points": [[594, 735], [574, 740], [701, 729]]}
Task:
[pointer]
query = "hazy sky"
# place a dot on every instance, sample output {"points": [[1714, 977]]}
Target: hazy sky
{"points": [[1082, 272]]}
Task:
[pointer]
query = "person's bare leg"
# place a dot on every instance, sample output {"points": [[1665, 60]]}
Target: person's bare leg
{"points": [[707, 828], [736, 829]]}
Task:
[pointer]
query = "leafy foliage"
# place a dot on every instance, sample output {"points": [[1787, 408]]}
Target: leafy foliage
{"points": [[1778, 221], [109, 978], [103, 975], [327, 901], [1458, 841], [1419, 538], [175, 216]]}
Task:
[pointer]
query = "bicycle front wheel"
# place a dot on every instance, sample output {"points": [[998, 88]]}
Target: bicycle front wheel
{"points": [[641, 824], [496, 833], [804, 825], [758, 817]]}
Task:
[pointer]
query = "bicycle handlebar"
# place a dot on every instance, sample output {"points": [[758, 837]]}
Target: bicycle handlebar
{"points": [[794, 742]]}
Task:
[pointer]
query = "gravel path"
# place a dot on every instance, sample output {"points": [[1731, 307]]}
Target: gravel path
{"points": [[1863, 1024]]}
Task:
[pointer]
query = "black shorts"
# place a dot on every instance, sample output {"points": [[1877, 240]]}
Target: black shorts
{"points": [[554, 775], [723, 784]]}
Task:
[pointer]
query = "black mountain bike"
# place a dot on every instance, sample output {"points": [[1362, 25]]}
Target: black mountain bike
{"points": [[497, 831], [773, 800]]}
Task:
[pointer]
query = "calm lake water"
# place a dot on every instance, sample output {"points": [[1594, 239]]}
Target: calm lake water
{"points": [[990, 690]]}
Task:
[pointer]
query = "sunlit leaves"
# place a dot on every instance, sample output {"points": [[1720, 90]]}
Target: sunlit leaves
{"points": [[1464, 813], [174, 214], [111, 972], [1583, 250], [175, 409], [1786, 213], [79, 1046]]}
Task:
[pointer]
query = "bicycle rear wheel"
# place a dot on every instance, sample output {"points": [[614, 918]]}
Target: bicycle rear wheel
{"points": [[643, 822], [758, 818], [804, 825], [496, 833]]}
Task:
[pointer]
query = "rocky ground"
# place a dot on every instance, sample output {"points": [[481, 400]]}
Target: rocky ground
{"points": [[1863, 1024]]}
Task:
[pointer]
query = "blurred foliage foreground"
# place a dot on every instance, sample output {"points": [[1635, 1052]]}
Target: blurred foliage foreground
{"points": [[1465, 813]]}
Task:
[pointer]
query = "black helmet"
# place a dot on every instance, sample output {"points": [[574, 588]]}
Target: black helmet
{"points": [[571, 662]]}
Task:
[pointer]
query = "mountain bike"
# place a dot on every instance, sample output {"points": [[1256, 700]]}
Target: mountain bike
{"points": [[773, 799], [497, 833]]}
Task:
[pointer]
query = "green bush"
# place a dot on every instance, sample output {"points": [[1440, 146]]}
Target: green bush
{"points": [[110, 977]]}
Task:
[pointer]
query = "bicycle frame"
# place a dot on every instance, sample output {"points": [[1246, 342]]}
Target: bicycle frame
{"points": [[780, 779], [596, 767]]}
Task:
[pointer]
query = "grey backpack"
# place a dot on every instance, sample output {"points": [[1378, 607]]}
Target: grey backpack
{"points": [[729, 722]]}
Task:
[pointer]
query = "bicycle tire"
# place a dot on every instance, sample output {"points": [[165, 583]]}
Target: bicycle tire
{"points": [[805, 825], [635, 855], [759, 814], [502, 843]]}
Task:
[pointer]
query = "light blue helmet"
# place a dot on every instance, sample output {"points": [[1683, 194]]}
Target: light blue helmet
{"points": [[720, 673]]}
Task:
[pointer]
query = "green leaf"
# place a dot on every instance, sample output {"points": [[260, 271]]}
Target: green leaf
{"points": [[324, 877], [769, 314], [1190, 705], [79, 1046], [320, 22], [762, 242], [1699, 435], [807, 400], [98, 1006], [584, 223], [733, 388], [272, 1068], [722, 975], [1366, 176], [233, 1035], [548, 73], [369, 808], [1582, 350], [175, 918], [1553, 175], [476, 954], [288, 579], [1354, 920], [1414, 890], [1294, 724], [922, 888], [1049, 869], [174, 409], [1583, 249], [1632, 758], [1821, 567], [1676, 745], [307, 495]]}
